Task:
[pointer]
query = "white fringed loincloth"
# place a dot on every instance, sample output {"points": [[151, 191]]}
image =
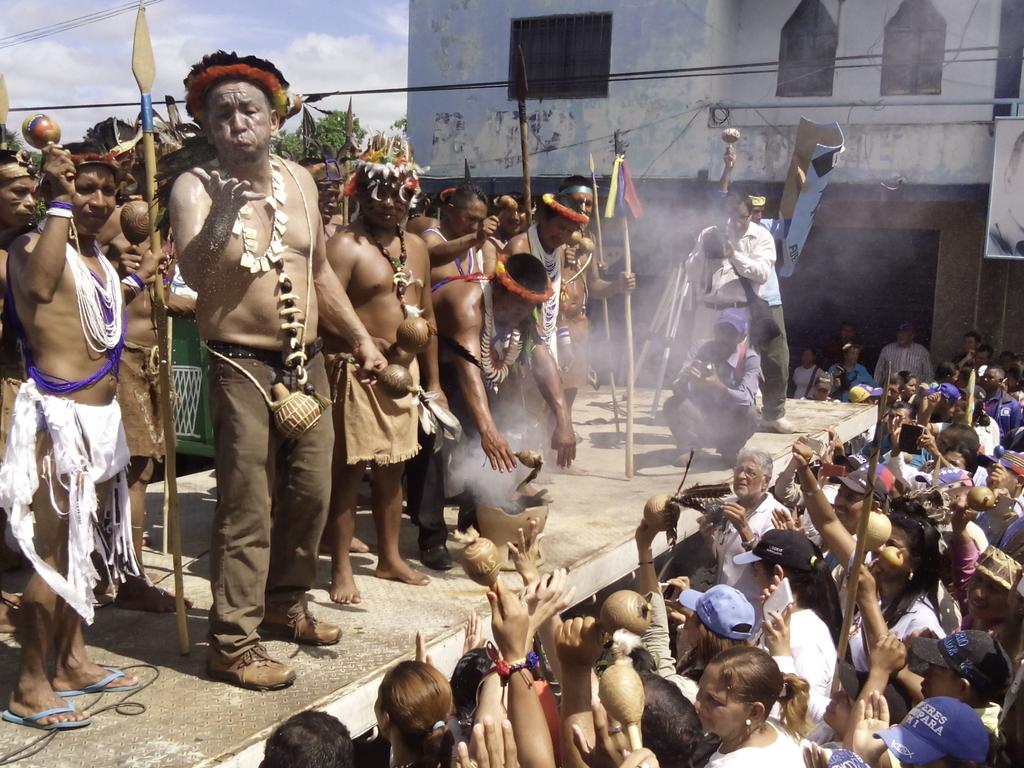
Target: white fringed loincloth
{"points": [[89, 447]]}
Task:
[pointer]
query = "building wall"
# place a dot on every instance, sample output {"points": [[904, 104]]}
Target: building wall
{"points": [[455, 41]]}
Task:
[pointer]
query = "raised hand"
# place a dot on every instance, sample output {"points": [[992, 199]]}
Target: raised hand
{"points": [[579, 642], [610, 749], [474, 634], [889, 655], [489, 748], [526, 555], [548, 597], [510, 623], [487, 228], [227, 193], [59, 169], [870, 715], [776, 633]]}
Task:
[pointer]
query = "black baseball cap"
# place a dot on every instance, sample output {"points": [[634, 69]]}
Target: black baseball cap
{"points": [[974, 655], [790, 549]]}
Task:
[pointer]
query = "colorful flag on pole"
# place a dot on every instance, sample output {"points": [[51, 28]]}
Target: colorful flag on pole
{"points": [[622, 192]]}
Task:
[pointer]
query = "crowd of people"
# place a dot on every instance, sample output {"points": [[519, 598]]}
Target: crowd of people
{"points": [[406, 345]]}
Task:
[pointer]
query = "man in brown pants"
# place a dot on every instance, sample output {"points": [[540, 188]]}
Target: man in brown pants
{"points": [[250, 241]]}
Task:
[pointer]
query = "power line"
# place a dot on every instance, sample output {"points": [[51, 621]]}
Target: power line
{"points": [[49, 30], [720, 70]]}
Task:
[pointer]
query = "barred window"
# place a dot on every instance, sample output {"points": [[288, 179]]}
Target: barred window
{"points": [[807, 52], [567, 56], [915, 45]]}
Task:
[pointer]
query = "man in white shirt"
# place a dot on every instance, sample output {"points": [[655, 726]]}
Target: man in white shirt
{"points": [[743, 519], [904, 354]]}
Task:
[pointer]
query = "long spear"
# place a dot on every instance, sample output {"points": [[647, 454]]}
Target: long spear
{"points": [[5, 107], [627, 265], [522, 89], [144, 69], [604, 302], [860, 550], [348, 162]]}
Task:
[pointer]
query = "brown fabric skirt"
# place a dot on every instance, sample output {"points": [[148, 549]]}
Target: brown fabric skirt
{"points": [[369, 425], [577, 373], [139, 396]]}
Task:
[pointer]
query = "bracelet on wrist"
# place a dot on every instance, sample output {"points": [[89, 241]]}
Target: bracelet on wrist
{"points": [[59, 213], [134, 285], [505, 669]]}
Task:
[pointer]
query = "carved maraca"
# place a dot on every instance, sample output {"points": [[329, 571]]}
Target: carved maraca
{"points": [[481, 562], [413, 334], [39, 130], [731, 135], [626, 609], [621, 690], [135, 221], [981, 498], [585, 243], [893, 556], [396, 381], [655, 511], [879, 531]]}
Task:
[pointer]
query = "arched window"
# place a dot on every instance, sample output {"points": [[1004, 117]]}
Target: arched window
{"points": [[915, 45], [807, 52]]}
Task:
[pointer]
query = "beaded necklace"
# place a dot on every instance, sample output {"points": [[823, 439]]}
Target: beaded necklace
{"points": [[100, 305], [402, 279], [496, 366]]}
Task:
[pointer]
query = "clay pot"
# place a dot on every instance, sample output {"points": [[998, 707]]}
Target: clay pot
{"points": [[413, 335], [481, 562], [135, 221], [621, 691], [39, 130], [981, 498], [879, 531], [655, 511], [501, 527], [627, 610], [396, 381], [731, 135], [893, 556]]}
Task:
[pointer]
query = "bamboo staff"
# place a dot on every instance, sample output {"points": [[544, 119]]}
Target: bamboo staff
{"points": [[348, 161], [144, 69], [604, 302], [5, 106], [862, 536], [522, 89], [630, 368]]}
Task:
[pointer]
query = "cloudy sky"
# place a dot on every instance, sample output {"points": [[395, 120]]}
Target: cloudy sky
{"points": [[319, 45]]}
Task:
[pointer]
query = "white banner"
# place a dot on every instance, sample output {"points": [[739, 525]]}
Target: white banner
{"points": [[1005, 231]]}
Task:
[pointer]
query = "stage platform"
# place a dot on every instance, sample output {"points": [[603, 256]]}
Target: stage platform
{"points": [[190, 720]]}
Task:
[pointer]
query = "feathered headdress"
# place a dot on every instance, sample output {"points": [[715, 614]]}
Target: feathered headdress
{"points": [[219, 66], [15, 164], [386, 160]]}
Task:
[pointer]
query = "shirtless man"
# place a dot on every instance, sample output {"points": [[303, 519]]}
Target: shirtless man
{"points": [[67, 305], [482, 330], [17, 203], [250, 239], [385, 271], [558, 219], [139, 398], [455, 244], [508, 209]]}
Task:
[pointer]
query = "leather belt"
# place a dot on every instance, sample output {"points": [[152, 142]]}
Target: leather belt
{"points": [[725, 305], [272, 357]]}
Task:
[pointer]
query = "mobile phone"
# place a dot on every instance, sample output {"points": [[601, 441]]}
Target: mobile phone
{"points": [[832, 470], [780, 599], [815, 445], [910, 434], [671, 592]]}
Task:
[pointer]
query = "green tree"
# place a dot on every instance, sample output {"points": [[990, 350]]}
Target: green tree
{"points": [[329, 130], [401, 125]]}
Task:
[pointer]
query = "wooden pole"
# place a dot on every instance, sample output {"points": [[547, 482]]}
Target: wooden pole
{"points": [[522, 90], [853, 576], [144, 69], [5, 106], [630, 370], [604, 302], [348, 163]]}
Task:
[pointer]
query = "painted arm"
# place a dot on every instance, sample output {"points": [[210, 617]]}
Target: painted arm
{"points": [[204, 207], [549, 382]]}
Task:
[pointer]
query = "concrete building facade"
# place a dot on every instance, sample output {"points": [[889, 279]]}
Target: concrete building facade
{"points": [[909, 81]]}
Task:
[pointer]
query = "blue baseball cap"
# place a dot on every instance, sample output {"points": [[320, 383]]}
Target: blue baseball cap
{"points": [[947, 391], [722, 609], [937, 728], [844, 758], [734, 316]]}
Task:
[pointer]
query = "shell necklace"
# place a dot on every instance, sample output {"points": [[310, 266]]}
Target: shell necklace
{"points": [[496, 366], [274, 254], [100, 305]]}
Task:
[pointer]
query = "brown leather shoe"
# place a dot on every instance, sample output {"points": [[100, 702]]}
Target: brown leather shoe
{"points": [[254, 669], [302, 628]]}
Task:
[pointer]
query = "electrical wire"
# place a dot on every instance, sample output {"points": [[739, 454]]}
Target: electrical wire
{"points": [[49, 30], [750, 68]]}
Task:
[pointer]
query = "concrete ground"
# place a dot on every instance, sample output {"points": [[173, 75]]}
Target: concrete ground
{"points": [[183, 719]]}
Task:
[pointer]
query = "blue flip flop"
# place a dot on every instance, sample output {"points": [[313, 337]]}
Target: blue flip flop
{"points": [[32, 721], [102, 686]]}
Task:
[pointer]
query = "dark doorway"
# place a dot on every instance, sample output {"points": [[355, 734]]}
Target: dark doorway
{"points": [[874, 278]]}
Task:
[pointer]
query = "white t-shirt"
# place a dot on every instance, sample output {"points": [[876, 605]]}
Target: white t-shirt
{"points": [[813, 659], [921, 616], [784, 752], [728, 545]]}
